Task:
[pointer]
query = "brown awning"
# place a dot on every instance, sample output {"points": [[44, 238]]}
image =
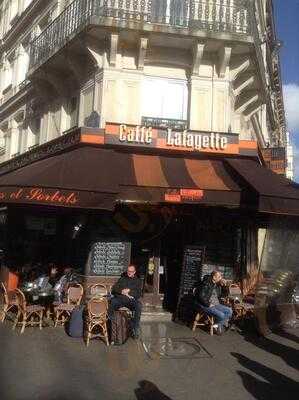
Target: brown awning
{"points": [[156, 179], [77, 178], [94, 177], [274, 193]]}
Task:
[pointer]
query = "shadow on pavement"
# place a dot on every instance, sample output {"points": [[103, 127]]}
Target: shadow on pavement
{"points": [[286, 353], [149, 391], [287, 335], [270, 384]]}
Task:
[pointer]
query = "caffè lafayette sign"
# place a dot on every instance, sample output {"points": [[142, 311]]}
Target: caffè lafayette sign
{"points": [[167, 138]]}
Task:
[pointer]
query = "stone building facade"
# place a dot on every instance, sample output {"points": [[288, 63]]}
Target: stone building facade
{"points": [[205, 65]]}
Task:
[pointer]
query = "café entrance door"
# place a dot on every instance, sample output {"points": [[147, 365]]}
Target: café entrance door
{"points": [[149, 267]]}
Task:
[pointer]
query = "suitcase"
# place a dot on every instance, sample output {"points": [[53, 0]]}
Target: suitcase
{"points": [[74, 327], [119, 328]]}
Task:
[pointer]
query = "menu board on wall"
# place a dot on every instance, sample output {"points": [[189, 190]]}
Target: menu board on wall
{"points": [[192, 265], [191, 274], [110, 258]]}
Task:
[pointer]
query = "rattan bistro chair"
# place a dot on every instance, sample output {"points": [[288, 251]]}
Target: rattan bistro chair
{"points": [[98, 290], [28, 314], [63, 311], [96, 320], [9, 302], [203, 319]]}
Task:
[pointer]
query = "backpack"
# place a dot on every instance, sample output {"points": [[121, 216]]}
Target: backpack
{"points": [[75, 328]]}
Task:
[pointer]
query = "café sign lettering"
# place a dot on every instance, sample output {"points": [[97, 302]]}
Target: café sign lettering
{"points": [[169, 138], [40, 195]]}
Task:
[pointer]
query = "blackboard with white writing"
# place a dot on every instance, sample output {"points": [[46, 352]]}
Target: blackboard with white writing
{"points": [[110, 258], [192, 265], [191, 274]]}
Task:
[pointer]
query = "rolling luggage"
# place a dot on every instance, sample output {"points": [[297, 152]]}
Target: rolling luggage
{"points": [[119, 328], [74, 327]]}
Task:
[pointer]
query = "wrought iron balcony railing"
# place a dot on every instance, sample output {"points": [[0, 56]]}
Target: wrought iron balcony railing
{"points": [[228, 16]]}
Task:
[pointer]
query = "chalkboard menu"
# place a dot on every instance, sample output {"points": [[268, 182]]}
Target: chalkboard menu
{"points": [[110, 258], [191, 274], [192, 265]]}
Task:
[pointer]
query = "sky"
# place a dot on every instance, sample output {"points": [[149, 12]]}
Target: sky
{"points": [[287, 27]]}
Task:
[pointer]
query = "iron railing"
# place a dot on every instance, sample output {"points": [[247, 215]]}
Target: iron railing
{"points": [[227, 16]]}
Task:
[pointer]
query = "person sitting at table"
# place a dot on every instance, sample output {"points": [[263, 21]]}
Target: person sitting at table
{"points": [[61, 285], [47, 279], [207, 298], [127, 292]]}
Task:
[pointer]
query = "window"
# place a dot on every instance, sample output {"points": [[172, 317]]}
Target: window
{"points": [[73, 112], [7, 75], [164, 98], [23, 63]]}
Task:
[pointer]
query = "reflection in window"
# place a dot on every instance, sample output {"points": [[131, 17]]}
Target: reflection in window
{"points": [[164, 98]]}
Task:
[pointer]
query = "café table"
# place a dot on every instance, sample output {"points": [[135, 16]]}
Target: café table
{"points": [[43, 297]]}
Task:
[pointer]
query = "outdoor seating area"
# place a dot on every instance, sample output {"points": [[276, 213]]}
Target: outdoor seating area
{"points": [[29, 307]]}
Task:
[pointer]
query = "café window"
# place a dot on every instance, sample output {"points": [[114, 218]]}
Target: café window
{"points": [[164, 98]]}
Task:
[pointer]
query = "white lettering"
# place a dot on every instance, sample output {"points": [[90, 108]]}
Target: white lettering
{"points": [[223, 142], [138, 135], [169, 140], [177, 139], [214, 141], [197, 141], [205, 141], [122, 133]]}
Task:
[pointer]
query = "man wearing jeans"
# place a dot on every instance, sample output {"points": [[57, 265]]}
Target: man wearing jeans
{"points": [[207, 297], [127, 292]]}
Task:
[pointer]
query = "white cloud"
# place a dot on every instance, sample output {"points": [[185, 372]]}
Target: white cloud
{"points": [[291, 100]]}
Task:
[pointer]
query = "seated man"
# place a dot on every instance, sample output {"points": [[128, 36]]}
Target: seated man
{"points": [[127, 291], [207, 297]]}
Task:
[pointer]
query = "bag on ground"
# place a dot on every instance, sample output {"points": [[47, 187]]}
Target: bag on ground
{"points": [[119, 328], [74, 328]]}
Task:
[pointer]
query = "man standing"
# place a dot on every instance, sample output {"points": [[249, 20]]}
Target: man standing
{"points": [[207, 298], [127, 292]]}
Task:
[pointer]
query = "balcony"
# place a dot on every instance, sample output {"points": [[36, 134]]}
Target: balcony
{"points": [[189, 17]]}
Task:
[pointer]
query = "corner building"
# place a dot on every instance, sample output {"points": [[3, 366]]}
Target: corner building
{"points": [[142, 122]]}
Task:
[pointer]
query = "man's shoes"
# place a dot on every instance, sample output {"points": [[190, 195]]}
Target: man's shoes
{"points": [[231, 327], [135, 334], [219, 330]]}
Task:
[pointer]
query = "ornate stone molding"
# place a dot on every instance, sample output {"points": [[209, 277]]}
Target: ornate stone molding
{"points": [[113, 49], [143, 45], [198, 50]]}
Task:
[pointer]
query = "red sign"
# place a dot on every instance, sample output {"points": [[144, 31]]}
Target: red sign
{"points": [[40, 195], [181, 195], [191, 194]]}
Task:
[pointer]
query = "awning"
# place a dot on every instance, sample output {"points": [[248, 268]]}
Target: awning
{"points": [[77, 178], [97, 178], [274, 193], [156, 179]]}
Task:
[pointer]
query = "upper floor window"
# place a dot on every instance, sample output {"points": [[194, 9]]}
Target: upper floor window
{"points": [[164, 98], [27, 3]]}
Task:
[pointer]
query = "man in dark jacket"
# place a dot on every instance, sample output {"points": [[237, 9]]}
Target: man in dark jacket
{"points": [[127, 292], [207, 297]]}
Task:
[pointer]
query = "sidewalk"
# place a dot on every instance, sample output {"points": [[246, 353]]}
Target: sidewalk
{"points": [[170, 362]]}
